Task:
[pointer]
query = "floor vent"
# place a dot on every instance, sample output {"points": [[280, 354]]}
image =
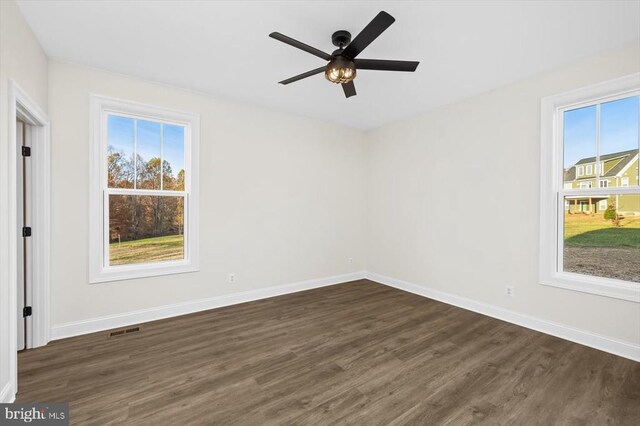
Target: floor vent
{"points": [[123, 332]]}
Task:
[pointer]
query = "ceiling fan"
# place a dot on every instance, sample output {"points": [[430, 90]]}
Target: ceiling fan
{"points": [[343, 62]]}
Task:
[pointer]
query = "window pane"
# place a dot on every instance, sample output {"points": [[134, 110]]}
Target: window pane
{"points": [[145, 229], [148, 155], [619, 140], [602, 236], [173, 154], [120, 137], [579, 147]]}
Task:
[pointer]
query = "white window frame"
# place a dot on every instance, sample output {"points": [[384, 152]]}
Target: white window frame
{"points": [[99, 270], [585, 185], [552, 191], [589, 169], [603, 183], [606, 203], [579, 171], [624, 182]]}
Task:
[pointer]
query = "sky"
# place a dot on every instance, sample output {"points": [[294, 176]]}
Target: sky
{"points": [[148, 141], [618, 129]]}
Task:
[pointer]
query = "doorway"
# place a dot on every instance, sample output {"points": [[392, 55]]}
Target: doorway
{"points": [[28, 189], [24, 288]]}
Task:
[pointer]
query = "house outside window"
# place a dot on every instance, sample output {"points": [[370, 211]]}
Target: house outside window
{"points": [[144, 191], [590, 232]]}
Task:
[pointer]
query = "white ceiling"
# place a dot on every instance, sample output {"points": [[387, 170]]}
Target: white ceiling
{"points": [[223, 48]]}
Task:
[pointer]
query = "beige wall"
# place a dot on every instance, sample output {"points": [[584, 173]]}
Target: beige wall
{"points": [[453, 201], [22, 60], [281, 198]]}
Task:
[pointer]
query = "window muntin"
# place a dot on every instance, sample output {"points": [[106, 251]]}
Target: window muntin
{"points": [[144, 220]]}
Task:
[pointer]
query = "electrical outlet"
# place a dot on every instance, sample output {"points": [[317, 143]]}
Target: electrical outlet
{"points": [[508, 291], [232, 278], [351, 261]]}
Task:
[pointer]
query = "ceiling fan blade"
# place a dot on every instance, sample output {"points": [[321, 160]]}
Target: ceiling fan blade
{"points": [[349, 89], [381, 22], [385, 65], [303, 75], [300, 45]]}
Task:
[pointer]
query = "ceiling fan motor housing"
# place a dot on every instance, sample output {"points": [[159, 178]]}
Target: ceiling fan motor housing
{"points": [[341, 38]]}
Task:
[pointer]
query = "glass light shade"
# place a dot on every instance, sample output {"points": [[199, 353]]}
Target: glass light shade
{"points": [[340, 71]]}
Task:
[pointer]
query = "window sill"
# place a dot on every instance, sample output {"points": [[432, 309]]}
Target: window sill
{"points": [[129, 272], [608, 287]]}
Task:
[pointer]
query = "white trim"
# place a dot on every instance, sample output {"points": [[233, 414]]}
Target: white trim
{"points": [[552, 189], [92, 325], [624, 182], [579, 171], [98, 223], [21, 105], [624, 349], [625, 168], [7, 394]]}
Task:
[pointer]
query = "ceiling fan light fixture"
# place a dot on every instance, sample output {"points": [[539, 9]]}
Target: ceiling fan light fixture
{"points": [[340, 70]]}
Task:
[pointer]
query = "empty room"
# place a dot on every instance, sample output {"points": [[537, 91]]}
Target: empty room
{"points": [[319, 212]]}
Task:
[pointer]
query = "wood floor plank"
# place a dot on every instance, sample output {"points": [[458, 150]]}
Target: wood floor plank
{"points": [[355, 353]]}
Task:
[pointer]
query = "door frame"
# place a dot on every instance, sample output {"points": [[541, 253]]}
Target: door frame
{"points": [[23, 107]]}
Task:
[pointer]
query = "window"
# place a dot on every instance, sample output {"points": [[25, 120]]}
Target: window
{"points": [[144, 191], [568, 185], [581, 247], [589, 169]]}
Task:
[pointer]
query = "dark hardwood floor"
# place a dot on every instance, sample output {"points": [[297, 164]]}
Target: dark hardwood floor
{"points": [[357, 353]]}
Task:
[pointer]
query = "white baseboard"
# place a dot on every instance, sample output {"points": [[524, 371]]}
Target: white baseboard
{"points": [[617, 347], [92, 325], [625, 349], [7, 395]]}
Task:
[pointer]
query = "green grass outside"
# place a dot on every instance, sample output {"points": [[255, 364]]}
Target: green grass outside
{"points": [[582, 230], [156, 249]]}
